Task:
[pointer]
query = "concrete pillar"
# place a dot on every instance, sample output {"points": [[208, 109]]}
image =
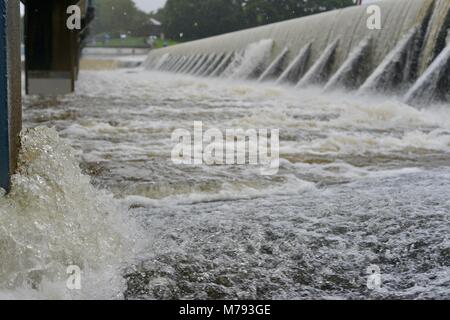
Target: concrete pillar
{"points": [[10, 89]]}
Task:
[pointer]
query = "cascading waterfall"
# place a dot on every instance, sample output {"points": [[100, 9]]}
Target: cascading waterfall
{"points": [[174, 63], [253, 61], [223, 64], [205, 65], [198, 65], [178, 64], [250, 62], [436, 33], [188, 64], [159, 62], [276, 67], [166, 63], [214, 64], [335, 49], [321, 69], [297, 67], [394, 69], [234, 63], [182, 64], [351, 69], [434, 83]]}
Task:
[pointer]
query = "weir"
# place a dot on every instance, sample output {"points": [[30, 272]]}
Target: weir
{"points": [[352, 69], [222, 65], [321, 69], [297, 67], [334, 49], [276, 67], [213, 65], [434, 83]]}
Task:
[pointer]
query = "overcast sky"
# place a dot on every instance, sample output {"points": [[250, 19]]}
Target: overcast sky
{"points": [[145, 5], [152, 5], [149, 5]]}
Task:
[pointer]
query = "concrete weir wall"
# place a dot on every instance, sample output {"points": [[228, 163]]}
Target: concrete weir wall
{"points": [[10, 89], [332, 49], [348, 25]]}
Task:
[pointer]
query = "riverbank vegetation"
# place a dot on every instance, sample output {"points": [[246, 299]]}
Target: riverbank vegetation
{"points": [[195, 19], [185, 20]]}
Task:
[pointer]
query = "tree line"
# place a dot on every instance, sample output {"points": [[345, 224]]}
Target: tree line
{"points": [[186, 20], [117, 17], [195, 19]]}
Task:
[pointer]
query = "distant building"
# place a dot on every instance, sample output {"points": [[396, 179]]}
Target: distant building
{"points": [[152, 27], [155, 22]]}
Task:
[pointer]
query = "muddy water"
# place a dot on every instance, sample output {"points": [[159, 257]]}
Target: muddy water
{"points": [[363, 181]]}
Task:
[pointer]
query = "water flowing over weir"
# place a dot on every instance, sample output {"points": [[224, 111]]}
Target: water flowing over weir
{"points": [[334, 49]]}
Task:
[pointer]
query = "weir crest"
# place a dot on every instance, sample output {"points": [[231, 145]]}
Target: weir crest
{"points": [[336, 49]]}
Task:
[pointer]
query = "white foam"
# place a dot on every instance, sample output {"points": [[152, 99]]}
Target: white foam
{"points": [[54, 218], [255, 56], [227, 192]]}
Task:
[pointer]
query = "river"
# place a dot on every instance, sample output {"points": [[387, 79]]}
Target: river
{"points": [[363, 181]]}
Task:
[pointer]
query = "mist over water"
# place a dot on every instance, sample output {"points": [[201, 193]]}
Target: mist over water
{"points": [[364, 180]]}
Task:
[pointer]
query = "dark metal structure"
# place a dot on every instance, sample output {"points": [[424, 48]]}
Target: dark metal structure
{"points": [[52, 50], [10, 89]]}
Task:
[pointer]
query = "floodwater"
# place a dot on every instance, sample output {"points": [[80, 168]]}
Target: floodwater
{"points": [[363, 181]]}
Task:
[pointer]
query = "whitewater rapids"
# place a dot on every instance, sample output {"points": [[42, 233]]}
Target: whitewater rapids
{"points": [[363, 181]]}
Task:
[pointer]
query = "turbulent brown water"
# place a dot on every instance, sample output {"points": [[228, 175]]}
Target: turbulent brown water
{"points": [[363, 181]]}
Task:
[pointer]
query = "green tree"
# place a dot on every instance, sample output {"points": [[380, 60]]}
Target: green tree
{"points": [[118, 16], [194, 19], [260, 12]]}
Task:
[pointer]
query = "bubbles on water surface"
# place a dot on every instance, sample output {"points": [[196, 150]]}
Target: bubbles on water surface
{"points": [[54, 218], [360, 176]]}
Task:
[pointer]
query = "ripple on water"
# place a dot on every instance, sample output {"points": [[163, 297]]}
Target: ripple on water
{"points": [[363, 180]]}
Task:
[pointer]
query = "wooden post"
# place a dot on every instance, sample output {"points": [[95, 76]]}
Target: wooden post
{"points": [[10, 89]]}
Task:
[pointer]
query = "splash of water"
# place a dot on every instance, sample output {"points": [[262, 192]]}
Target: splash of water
{"points": [[252, 61], [54, 218]]}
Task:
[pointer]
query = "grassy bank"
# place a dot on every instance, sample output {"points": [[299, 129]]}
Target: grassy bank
{"points": [[131, 42]]}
